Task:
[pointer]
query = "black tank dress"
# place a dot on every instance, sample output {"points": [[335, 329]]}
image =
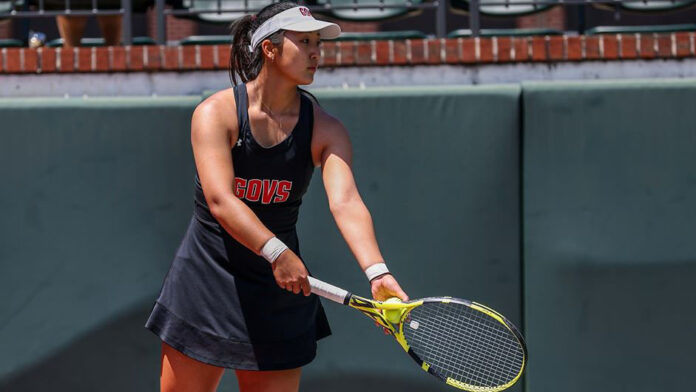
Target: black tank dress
{"points": [[219, 303]]}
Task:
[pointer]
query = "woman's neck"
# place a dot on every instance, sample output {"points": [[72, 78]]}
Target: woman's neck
{"points": [[272, 93]]}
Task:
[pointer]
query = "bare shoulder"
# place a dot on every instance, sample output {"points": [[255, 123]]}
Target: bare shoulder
{"points": [[329, 136], [221, 104], [326, 125], [216, 114]]}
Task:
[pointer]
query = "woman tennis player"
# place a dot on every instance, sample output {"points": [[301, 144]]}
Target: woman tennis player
{"points": [[237, 295]]}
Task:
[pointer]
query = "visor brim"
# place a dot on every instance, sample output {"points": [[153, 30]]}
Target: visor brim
{"points": [[327, 30]]}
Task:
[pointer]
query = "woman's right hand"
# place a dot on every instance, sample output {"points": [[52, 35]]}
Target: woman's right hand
{"points": [[290, 273]]}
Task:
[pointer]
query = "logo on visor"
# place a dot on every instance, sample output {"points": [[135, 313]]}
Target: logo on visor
{"points": [[305, 11]]}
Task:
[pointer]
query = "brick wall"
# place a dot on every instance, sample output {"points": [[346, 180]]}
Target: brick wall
{"points": [[463, 51], [177, 28], [553, 18], [362, 27], [5, 28]]}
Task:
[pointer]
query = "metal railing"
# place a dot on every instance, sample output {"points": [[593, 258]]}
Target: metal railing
{"points": [[20, 9], [126, 11], [439, 5], [475, 6]]}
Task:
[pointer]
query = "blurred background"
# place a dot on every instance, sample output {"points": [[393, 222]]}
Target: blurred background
{"points": [[167, 21], [535, 156]]}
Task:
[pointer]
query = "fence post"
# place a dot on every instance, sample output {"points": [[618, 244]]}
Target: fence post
{"points": [[127, 22], [441, 19], [161, 22], [474, 22]]}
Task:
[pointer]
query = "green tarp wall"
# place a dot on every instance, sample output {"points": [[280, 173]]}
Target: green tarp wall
{"points": [[568, 207], [610, 235], [97, 194]]}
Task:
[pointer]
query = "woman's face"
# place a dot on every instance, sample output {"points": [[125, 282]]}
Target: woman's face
{"points": [[298, 58]]}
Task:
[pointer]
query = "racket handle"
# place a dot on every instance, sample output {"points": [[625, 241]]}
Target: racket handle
{"points": [[329, 291]]}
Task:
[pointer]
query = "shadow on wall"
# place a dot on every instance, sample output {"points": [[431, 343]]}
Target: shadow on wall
{"points": [[596, 323], [121, 356], [351, 382], [124, 356]]}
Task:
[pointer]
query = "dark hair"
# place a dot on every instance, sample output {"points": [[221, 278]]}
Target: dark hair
{"points": [[244, 63]]}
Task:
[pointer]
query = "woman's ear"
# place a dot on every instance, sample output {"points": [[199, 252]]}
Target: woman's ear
{"points": [[268, 49]]}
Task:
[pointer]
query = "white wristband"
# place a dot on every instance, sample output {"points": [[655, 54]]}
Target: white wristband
{"points": [[272, 249], [376, 270]]}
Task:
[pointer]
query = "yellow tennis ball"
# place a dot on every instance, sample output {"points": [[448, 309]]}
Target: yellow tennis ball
{"points": [[393, 316]]}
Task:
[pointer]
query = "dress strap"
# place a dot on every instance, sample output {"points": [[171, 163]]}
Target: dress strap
{"points": [[306, 125], [241, 99]]}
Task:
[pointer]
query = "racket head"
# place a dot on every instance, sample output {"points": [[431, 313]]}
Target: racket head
{"points": [[464, 344]]}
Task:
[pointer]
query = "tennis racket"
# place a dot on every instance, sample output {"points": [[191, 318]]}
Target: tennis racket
{"points": [[464, 344]]}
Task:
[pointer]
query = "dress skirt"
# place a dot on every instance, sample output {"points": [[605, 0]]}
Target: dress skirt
{"points": [[220, 305]]}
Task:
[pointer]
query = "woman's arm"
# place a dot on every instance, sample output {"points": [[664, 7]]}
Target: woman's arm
{"points": [[213, 132], [334, 153]]}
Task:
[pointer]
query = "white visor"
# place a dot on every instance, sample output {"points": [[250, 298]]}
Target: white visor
{"points": [[294, 19]]}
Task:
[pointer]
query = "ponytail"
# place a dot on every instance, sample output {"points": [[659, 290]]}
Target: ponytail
{"points": [[244, 63]]}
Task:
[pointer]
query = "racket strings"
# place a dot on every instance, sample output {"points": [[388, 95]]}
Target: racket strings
{"points": [[459, 360], [464, 344], [483, 357], [477, 358], [484, 344], [447, 356]]}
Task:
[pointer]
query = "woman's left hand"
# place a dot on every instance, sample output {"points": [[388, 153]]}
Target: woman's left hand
{"points": [[385, 287]]}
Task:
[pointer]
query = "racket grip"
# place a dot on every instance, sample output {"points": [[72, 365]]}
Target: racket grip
{"points": [[328, 291]]}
